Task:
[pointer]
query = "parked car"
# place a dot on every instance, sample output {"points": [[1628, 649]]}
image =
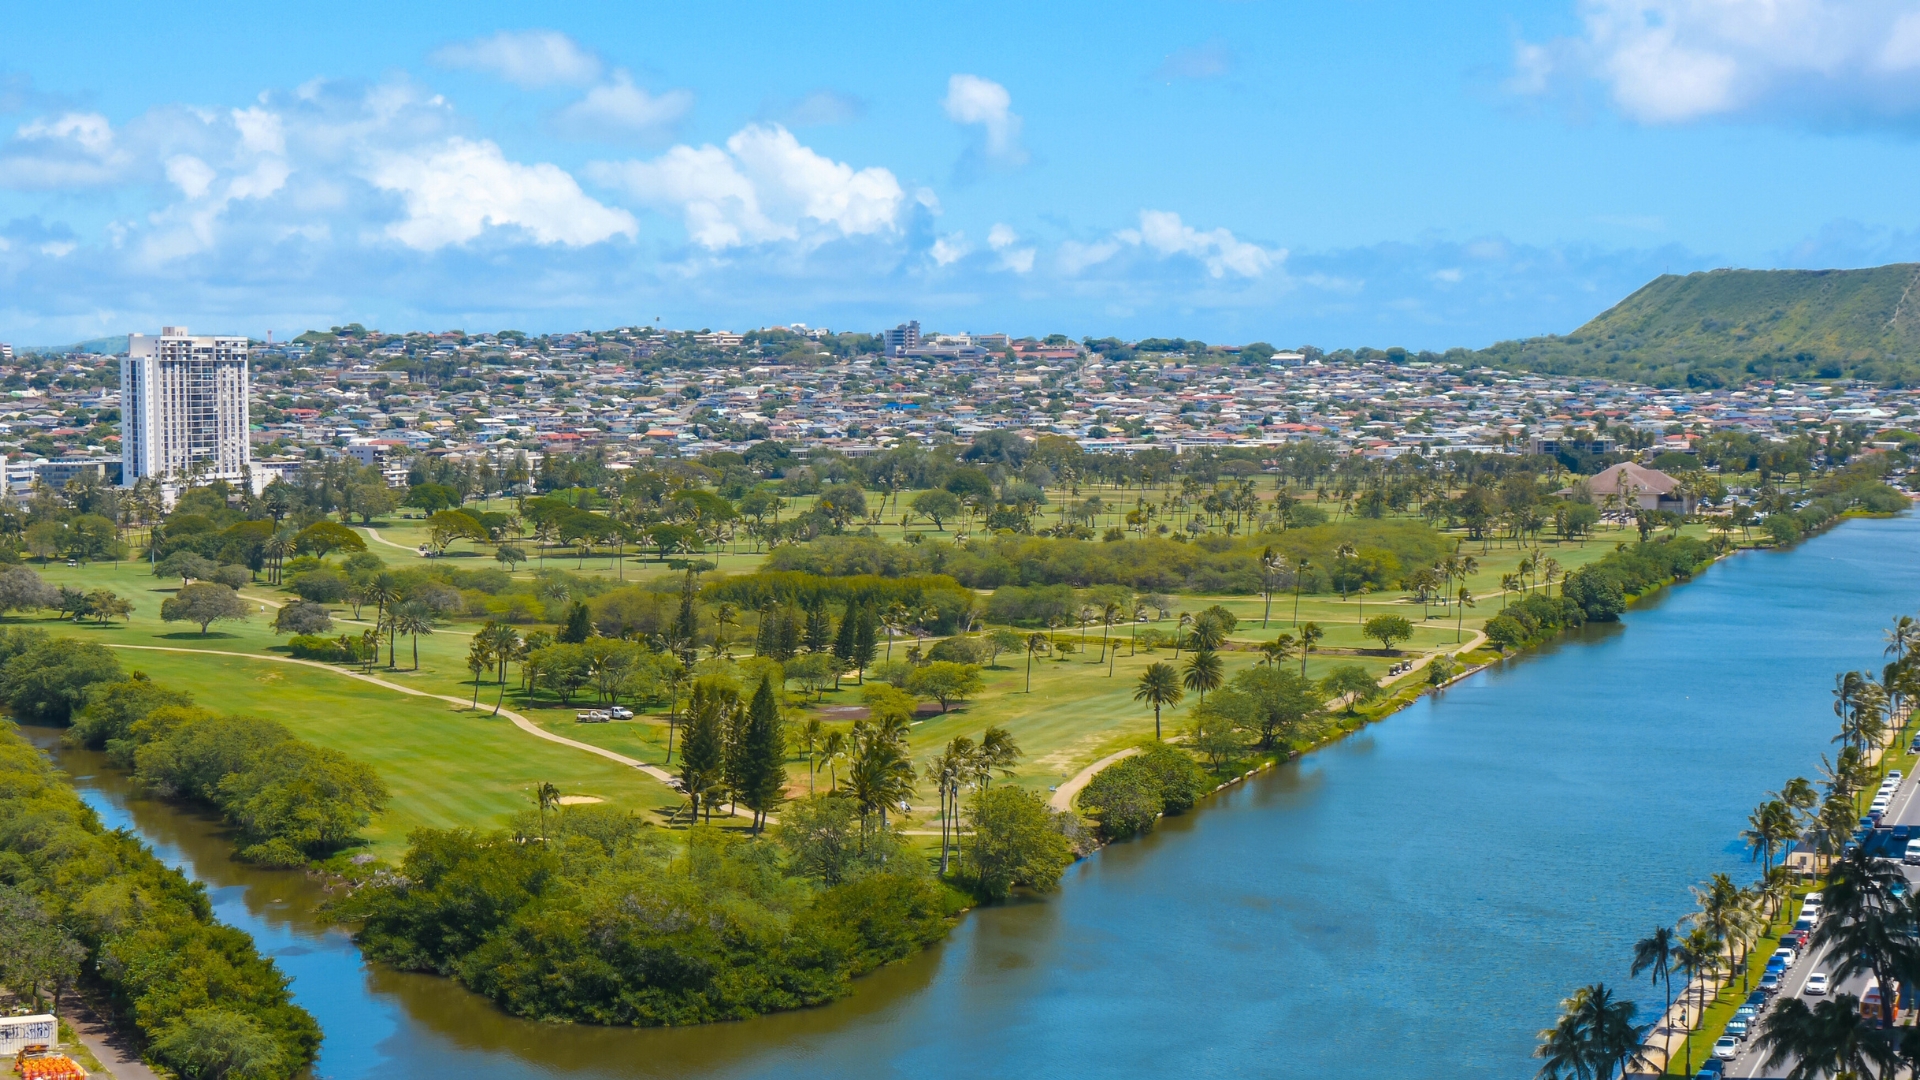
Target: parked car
{"points": [[1776, 966], [1757, 999], [1726, 1048], [591, 716], [1786, 955], [1770, 982], [1713, 1069], [620, 712], [1737, 1028], [1816, 984]]}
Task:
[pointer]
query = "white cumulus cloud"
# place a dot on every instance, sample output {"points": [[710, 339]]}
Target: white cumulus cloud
{"points": [[619, 109], [1002, 239], [763, 186], [528, 58], [455, 190], [1163, 232], [1673, 61], [70, 150], [973, 100]]}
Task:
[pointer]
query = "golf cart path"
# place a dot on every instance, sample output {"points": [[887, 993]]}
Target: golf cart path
{"points": [[518, 720], [378, 539], [1063, 795]]}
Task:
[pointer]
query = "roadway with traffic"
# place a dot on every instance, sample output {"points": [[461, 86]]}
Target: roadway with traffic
{"points": [[1902, 810]]}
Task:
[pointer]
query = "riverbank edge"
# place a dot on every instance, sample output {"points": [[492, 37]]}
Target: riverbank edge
{"points": [[1409, 691]]}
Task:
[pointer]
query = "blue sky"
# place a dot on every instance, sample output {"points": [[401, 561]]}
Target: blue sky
{"points": [[1339, 173]]}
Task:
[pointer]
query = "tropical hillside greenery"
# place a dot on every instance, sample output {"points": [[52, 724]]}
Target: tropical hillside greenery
{"points": [[1728, 327]]}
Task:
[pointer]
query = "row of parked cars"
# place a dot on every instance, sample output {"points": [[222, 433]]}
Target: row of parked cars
{"points": [[1746, 1019]]}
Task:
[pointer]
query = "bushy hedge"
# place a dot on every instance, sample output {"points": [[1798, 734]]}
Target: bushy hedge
{"points": [[331, 650], [1127, 797], [1601, 588], [291, 801], [43, 679], [1534, 619], [205, 1000], [594, 917]]}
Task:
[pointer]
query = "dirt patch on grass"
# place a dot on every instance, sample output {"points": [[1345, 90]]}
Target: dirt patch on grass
{"points": [[579, 800]]}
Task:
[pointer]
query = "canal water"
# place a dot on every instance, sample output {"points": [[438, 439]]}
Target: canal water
{"points": [[1409, 903]]}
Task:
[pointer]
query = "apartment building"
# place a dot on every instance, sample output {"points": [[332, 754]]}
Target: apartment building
{"points": [[184, 407]]}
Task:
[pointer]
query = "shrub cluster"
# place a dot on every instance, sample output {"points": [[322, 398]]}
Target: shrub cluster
{"points": [[1127, 797], [596, 917], [1534, 619], [1603, 587], [205, 1000], [291, 801]]}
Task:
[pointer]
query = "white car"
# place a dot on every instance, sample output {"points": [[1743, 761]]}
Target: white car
{"points": [[1816, 984], [1786, 956], [591, 716], [1726, 1048], [620, 712]]}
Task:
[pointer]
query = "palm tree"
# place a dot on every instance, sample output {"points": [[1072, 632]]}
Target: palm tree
{"points": [[1655, 954], [413, 618], [833, 750], [1769, 826], [1272, 564], [1831, 1038], [1863, 924], [1594, 1038], [547, 796], [1036, 642], [1460, 614], [1280, 648], [1310, 635], [1159, 685], [950, 771], [1203, 673], [881, 774], [810, 735], [1697, 957]]}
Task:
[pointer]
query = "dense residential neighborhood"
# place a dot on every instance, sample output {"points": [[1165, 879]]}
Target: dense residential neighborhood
{"points": [[633, 394]]}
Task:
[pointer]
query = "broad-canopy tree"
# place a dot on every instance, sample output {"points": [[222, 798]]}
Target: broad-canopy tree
{"points": [[204, 603], [1387, 629]]}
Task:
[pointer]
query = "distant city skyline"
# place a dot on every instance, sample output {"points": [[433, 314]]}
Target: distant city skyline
{"points": [[1390, 174]]}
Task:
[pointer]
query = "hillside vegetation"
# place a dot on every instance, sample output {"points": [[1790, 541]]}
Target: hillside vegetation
{"points": [[1726, 327]]}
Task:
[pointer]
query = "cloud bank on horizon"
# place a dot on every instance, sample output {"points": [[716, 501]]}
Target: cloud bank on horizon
{"points": [[574, 198]]}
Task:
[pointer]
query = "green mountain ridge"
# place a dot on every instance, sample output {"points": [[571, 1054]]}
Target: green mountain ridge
{"points": [[106, 346], [1726, 327]]}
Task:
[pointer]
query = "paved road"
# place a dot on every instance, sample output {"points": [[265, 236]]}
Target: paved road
{"points": [[1903, 810]]}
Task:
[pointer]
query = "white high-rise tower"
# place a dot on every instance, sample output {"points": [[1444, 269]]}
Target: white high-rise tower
{"points": [[183, 408]]}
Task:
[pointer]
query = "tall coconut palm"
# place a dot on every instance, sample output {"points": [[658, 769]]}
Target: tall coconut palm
{"points": [[1697, 957], [1310, 635], [1159, 686], [1035, 643], [1203, 673], [881, 774], [1654, 954], [412, 618], [1769, 826], [548, 797]]}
